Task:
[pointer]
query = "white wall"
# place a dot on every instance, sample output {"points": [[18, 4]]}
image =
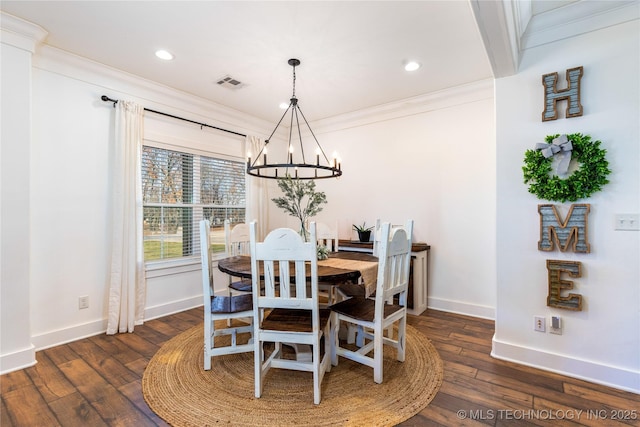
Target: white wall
{"points": [[67, 163], [15, 147], [602, 342], [431, 159]]}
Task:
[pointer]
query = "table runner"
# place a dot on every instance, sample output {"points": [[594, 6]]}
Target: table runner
{"points": [[368, 270]]}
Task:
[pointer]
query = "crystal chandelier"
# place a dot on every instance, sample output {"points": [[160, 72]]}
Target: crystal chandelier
{"points": [[295, 162]]}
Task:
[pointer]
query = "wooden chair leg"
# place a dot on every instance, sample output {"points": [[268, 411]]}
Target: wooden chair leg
{"points": [[351, 333], [378, 340], [335, 339], [316, 374], [258, 359], [207, 346], [402, 338], [359, 336]]}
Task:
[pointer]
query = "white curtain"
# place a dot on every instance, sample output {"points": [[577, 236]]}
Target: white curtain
{"points": [[127, 290], [257, 193]]}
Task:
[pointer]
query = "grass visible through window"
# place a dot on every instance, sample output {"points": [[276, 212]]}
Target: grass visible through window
{"points": [[153, 250]]}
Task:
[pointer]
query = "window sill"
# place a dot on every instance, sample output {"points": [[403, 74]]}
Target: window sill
{"points": [[169, 267], [178, 266]]}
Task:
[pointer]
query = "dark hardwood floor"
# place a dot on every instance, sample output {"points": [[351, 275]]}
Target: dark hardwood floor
{"points": [[97, 382]]}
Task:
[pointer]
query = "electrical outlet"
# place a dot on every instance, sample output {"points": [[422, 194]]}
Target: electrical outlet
{"points": [[83, 302], [556, 325], [539, 323], [627, 222]]}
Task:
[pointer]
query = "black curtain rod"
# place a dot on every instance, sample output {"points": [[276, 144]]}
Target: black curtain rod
{"points": [[115, 101]]}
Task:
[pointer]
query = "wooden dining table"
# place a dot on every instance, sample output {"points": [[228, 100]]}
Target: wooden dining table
{"points": [[340, 267]]}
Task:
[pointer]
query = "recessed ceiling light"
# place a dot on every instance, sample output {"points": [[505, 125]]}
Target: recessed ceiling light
{"points": [[411, 66], [284, 105], [163, 54]]}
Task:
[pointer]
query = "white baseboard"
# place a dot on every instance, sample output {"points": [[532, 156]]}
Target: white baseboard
{"points": [[594, 372], [17, 360], [72, 333], [460, 307], [77, 332], [172, 307]]}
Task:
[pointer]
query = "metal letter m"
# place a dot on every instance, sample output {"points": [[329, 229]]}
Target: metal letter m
{"points": [[555, 231], [571, 94]]}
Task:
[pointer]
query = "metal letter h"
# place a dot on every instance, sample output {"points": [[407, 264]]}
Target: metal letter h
{"points": [[552, 95]]}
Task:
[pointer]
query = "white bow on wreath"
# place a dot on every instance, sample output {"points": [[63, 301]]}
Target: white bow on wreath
{"points": [[560, 145]]}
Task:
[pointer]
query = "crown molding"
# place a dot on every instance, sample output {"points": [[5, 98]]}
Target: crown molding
{"points": [[577, 18], [117, 84], [446, 98], [20, 33], [498, 26]]}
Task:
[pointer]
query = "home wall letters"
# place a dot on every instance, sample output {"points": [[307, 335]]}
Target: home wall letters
{"points": [[571, 94], [556, 285], [554, 231]]}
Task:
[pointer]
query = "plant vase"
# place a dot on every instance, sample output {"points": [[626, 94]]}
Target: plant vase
{"points": [[364, 236]]}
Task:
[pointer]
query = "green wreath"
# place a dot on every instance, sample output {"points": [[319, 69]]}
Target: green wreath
{"points": [[582, 183]]}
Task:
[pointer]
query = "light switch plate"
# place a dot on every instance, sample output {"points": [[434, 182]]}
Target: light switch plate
{"points": [[556, 325], [627, 221]]}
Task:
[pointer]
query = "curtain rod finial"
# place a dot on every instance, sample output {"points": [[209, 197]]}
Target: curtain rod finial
{"points": [[105, 98]]}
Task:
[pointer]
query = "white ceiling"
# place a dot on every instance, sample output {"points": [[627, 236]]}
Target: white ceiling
{"points": [[352, 52]]}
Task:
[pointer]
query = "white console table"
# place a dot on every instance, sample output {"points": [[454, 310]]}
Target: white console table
{"points": [[417, 301]]}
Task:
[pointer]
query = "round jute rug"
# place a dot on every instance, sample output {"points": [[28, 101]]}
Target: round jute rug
{"points": [[179, 390]]}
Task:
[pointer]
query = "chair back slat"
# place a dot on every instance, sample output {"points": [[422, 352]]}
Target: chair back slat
{"points": [[301, 279], [270, 278]]}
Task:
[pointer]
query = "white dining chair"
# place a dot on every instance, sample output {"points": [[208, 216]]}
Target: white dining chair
{"points": [[222, 308], [328, 237], [373, 316], [288, 299], [236, 240]]}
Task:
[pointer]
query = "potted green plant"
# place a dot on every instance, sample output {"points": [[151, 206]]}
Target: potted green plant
{"points": [[364, 232], [300, 199]]}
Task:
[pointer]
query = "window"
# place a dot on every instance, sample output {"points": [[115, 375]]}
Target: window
{"points": [[178, 190]]}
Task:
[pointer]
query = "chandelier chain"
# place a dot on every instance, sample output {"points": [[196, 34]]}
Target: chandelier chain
{"points": [[294, 82]]}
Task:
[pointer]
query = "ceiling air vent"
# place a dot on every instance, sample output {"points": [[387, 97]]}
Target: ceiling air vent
{"points": [[229, 82]]}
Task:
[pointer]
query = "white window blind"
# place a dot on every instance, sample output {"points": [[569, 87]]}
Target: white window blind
{"points": [[179, 189]]}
